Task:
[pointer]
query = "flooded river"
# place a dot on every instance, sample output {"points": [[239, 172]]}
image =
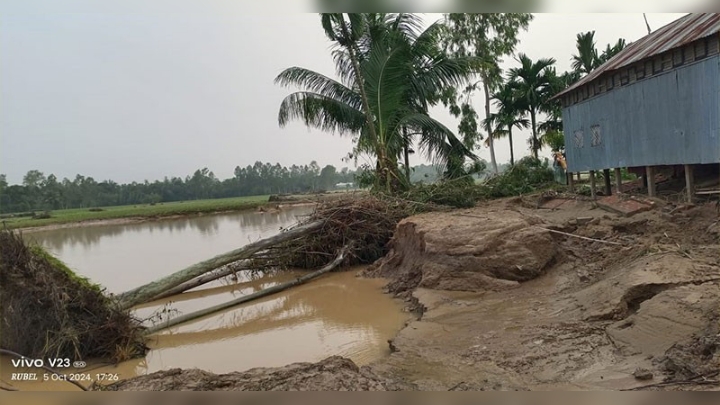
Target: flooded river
{"points": [[337, 314]]}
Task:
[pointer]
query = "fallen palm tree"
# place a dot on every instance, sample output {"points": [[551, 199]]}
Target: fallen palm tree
{"points": [[260, 294], [368, 223], [46, 310], [152, 290]]}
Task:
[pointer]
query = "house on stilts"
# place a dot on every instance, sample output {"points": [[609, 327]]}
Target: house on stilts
{"points": [[653, 108]]}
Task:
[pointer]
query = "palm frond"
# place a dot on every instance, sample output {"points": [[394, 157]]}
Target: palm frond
{"points": [[321, 112], [317, 83], [384, 78], [437, 142]]}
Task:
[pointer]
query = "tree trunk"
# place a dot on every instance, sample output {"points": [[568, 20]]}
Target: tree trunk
{"points": [[358, 76], [491, 142], [149, 291], [407, 155], [197, 282], [263, 293], [534, 133], [512, 154]]}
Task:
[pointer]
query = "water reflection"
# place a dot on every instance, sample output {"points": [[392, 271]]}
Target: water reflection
{"points": [[121, 257], [337, 314], [206, 225]]}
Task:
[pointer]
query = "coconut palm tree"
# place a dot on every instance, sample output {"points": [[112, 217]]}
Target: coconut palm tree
{"points": [[551, 129], [611, 50], [389, 69], [532, 84], [587, 58], [510, 114]]}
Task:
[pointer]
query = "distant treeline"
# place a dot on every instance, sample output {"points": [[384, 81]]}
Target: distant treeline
{"points": [[41, 192]]}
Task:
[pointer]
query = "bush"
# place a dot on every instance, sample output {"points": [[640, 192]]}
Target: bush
{"points": [[41, 215], [528, 175], [457, 193]]}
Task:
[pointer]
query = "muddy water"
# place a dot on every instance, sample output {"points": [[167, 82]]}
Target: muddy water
{"points": [[338, 314]]}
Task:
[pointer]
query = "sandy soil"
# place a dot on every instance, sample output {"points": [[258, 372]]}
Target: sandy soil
{"points": [[520, 307], [598, 314]]}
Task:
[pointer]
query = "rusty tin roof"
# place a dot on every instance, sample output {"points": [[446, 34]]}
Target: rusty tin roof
{"points": [[673, 35]]}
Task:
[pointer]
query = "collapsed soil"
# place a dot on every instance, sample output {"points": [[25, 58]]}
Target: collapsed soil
{"points": [[506, 302], [48, 311], [586, 318]]}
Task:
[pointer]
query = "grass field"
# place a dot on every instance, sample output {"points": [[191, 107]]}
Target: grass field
{"points": [[140, 211]]}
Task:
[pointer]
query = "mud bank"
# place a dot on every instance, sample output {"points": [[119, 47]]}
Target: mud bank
{"points": [[593, 316], [509, 302], [332, 374]]}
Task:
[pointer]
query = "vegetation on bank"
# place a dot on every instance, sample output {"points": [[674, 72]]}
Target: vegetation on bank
{"points": [[137, 211], [47, 311], [526, 176]]}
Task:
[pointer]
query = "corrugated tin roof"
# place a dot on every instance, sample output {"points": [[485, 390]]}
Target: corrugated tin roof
{"points": [[678, 33]]}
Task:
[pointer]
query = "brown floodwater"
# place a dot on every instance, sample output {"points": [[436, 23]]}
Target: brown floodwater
{"points": [[337, 314]]}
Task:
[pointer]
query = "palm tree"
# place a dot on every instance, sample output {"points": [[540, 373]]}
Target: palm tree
{"points": [[611, 50], [552, 128], [510, 115], [587, 58], [389, 69], [532, 86]]}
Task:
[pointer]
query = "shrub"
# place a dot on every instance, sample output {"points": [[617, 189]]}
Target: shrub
{"points": [[528, 175]]}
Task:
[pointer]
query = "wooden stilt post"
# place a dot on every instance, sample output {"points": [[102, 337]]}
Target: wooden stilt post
{"points": [[650, 175], [593, 191], [606, 175], [578, 176], [689, 183], [571, 182], [618, 180]]}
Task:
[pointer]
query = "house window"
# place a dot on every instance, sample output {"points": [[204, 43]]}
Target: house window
{"points": [[596, 135], [657, 65], [578, 138], [678, 57], [700, 49], [624, 77], [640, 71], [713, 45], [667, 61], [632, 75]]}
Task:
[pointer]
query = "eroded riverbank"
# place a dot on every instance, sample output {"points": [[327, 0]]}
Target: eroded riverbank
{"points": [[338, 313], [635, 304]]}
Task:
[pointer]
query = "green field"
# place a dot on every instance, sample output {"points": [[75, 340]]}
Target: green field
{"points": [[140, 211]]}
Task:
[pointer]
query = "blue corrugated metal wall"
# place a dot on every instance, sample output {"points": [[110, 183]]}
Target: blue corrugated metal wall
{"points": [[670, 119]]}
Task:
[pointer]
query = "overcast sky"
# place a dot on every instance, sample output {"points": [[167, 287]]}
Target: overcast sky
{"points": [[143, 95]]}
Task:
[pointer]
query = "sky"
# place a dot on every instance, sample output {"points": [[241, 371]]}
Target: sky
{"points": [[148, 93]]}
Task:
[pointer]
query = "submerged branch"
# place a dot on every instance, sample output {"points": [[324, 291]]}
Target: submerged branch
{"points": [[263, 293]]}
